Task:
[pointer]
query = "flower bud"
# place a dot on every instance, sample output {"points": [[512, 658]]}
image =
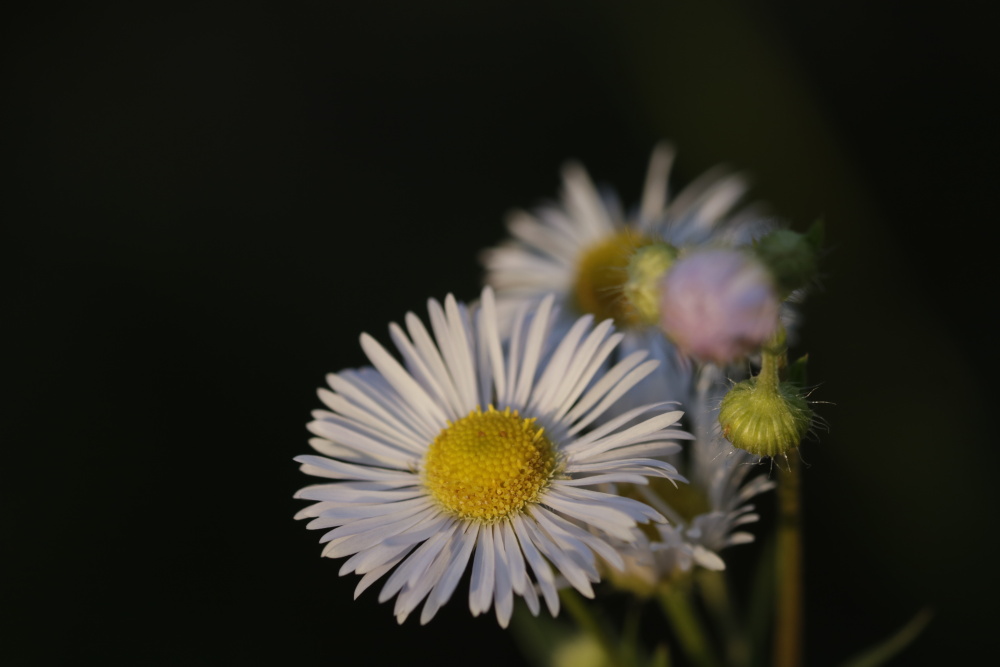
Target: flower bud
{"points": [[645, 271], [718, 305], [765, 418], [790, 256]]}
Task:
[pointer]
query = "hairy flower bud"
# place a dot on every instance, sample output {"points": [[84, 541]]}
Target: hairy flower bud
{"points": [[765, 418]]}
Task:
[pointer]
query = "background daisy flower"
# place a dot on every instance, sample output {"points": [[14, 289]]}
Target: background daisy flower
{"points": [[472, 450], [579, 250], [706, 515]]}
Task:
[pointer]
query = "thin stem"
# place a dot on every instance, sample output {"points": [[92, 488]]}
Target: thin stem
{"points": [[687, 626], [773, 357], [714, 590], [589, 623], [789, 626]]}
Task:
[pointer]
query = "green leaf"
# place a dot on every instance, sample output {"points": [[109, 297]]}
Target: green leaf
{"points": [[888, 649]]}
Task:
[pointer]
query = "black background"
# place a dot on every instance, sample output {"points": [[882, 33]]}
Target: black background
{"points": [[207, 204]]}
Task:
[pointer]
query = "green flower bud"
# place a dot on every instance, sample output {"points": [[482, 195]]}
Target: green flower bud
{"points": [[765, 418], [791, 257], [646, 268]]}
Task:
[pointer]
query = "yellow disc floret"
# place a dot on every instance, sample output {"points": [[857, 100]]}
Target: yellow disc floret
{"points": [[488, 465], [601, 274]]}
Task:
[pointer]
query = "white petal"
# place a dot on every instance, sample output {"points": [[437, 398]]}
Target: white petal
{"points": [[503, 596], [449, 580], [543, 573], [481, 586]]}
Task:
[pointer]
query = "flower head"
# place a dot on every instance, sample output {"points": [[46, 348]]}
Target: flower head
{"points": [[705, 516], [475, 451], [718, 305]]}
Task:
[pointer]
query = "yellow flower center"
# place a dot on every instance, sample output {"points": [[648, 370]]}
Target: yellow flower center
{"points": [[487, 465], [601, 276]]}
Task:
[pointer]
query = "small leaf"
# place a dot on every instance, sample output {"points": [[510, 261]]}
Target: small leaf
{"points": [[882, 653]]}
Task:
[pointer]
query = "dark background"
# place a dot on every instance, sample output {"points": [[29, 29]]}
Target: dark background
{"points": [[208, 204]]}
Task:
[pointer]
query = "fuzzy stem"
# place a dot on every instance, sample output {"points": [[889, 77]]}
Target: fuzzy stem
{"points": [[773, 357]]}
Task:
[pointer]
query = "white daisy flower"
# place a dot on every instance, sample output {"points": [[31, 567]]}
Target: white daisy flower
{"points": [[708, 514], [474, 451], [579, 250]]}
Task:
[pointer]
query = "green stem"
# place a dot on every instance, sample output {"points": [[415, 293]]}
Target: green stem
{"points": [[687, 626], [714, 590], [773, 357], [789, 624], [589, 623]]}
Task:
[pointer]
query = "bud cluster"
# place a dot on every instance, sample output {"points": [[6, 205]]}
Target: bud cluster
{"points": [[722, 305]]}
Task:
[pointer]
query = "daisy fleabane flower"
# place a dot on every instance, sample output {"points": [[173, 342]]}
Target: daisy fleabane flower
{"points": [[475, 450], [580, 249], [705, 516]]}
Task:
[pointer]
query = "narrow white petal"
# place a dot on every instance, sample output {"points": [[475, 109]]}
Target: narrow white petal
{"points": [[629, 436], [354, 537], [346, 492], [596, 500], [490, 342], [543, 573], [449, 580], [417, 565], [377, 421], [555, 371], [481, 586], [381, 405], [348, 512], [425, 365], [319, 466], [631, 379], [348, 443], [429, 415], [503, 596], [654, 193], [374, 575], [611, 426], [534, 340], [557, 525], [602, 386], [574, 572], [373, 558], [658, 449]]}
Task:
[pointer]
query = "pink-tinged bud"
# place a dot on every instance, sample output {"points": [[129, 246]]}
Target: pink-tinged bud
{"points": [[718, 305]]}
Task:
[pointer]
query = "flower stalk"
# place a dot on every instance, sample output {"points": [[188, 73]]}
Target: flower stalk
{"points": [[788, 631]]}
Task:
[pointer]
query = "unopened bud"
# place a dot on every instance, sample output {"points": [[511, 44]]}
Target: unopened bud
{"points": [[790, 256], [763, 418], [718, 305], [645, 271]]}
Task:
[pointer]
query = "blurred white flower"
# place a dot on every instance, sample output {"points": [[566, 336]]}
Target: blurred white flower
{"points": [[579, 250], [718, 305]]}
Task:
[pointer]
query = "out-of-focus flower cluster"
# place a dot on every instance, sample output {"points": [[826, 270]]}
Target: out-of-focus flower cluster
{"points": [[700, 281], [533, 437]]}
